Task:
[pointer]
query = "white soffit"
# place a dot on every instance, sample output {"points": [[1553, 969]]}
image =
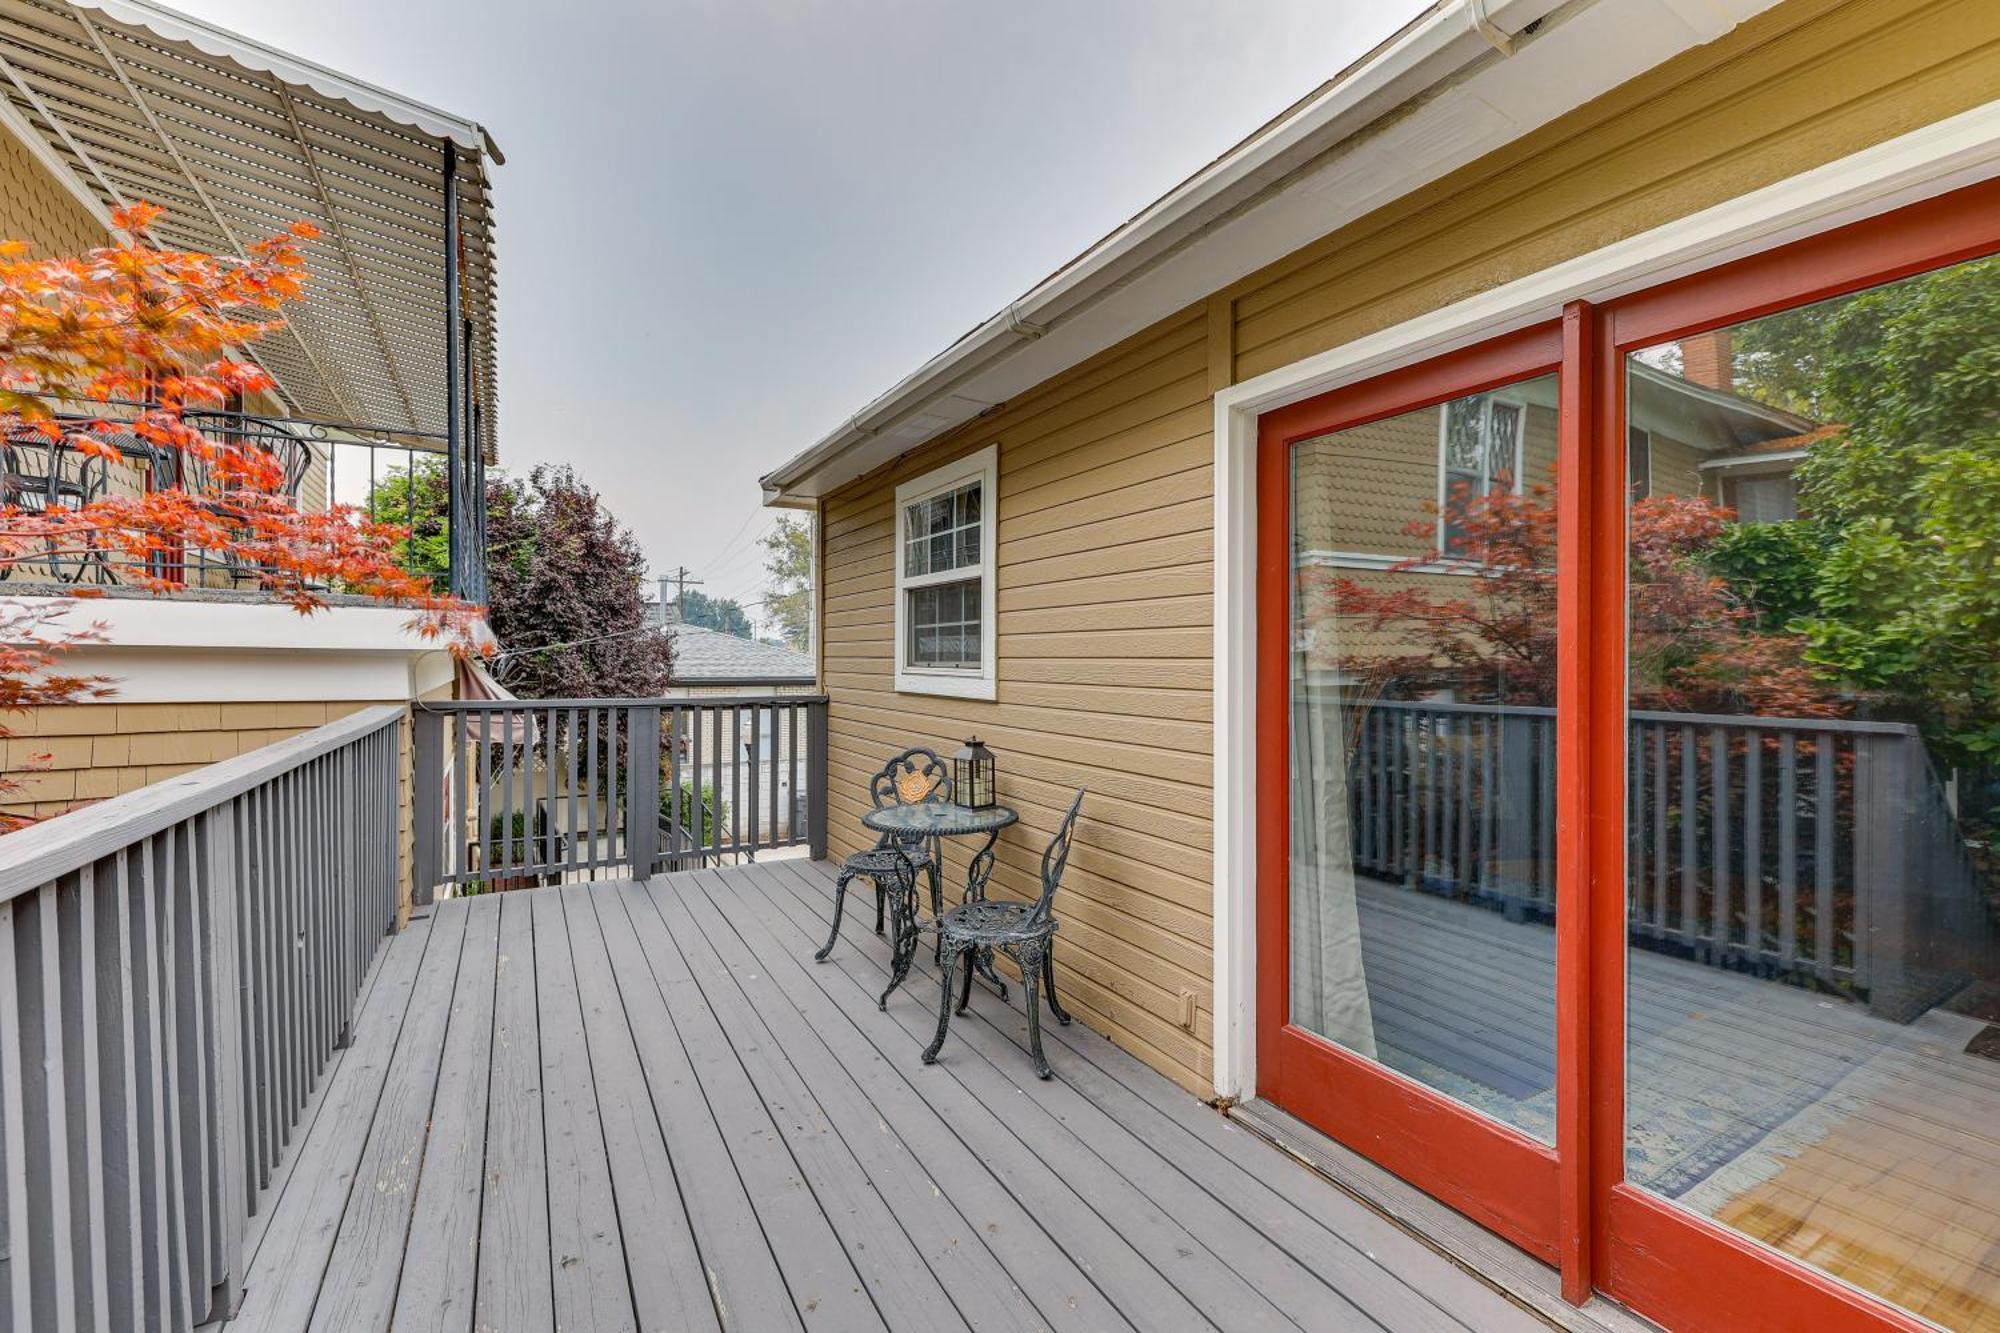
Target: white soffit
{"points": [[1296, 180], [131, 101]]}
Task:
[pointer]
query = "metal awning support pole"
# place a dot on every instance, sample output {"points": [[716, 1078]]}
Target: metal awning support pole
{"points": [[453, 414]]}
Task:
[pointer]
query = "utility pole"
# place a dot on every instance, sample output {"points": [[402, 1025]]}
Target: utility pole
{"points": [[679, 578]]}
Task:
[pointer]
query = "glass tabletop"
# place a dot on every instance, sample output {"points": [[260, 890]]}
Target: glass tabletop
{"points": [[939, 817]]}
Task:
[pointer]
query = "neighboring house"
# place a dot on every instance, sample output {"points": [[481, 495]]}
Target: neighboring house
{"points": [[769, 752], [709, 661], [388, 364], [1076, 532]]}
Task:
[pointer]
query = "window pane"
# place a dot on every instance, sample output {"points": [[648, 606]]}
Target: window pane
{"points": [[968, 504], [944, 624], [968, 545], [914, 558], [1422, 891], [1813, 969], [1502, 425]]}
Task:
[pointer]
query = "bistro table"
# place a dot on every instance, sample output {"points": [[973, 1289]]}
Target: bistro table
{"points": [[933, 820]]}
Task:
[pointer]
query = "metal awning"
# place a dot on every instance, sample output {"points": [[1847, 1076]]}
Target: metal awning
{"points": [[132, 101]]}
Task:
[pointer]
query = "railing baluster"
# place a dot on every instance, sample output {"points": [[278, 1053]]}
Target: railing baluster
{"points": [[753, 795], [735, 779], [1788, 851], [1718, 850], [676, 805], [1753, 844], [1690, 835]]}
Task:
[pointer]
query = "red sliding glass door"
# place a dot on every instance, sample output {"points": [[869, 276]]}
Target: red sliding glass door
{"points": [[1632, 688]]}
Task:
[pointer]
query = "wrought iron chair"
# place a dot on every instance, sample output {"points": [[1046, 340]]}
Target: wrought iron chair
{"points": [[1025, 932], [67, 478], [911, 778]]}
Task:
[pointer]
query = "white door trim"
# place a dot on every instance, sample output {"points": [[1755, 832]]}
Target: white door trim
{"points": [[1921, 164]]}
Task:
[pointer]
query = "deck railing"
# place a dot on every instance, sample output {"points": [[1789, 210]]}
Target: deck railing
{"points": [[1802, 848], [176, 967], [518, 792]]}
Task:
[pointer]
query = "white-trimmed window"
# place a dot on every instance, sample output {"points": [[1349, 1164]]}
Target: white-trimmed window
{"points": [[1479, 451], [944, 578]]}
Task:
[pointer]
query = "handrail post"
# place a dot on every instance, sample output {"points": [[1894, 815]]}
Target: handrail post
{"points": [[816, 767], [642, 794], [225, 980], [427, 774]]}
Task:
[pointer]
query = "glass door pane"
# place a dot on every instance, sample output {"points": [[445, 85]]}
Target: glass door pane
{"points": [[1813, 779], [1422, 889]]}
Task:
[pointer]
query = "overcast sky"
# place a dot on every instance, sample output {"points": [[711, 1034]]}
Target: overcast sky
{"points": [[724, 225]]}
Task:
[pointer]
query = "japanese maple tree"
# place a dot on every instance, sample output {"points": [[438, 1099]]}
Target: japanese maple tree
{"points": [[1489, 634], [127, 339]]}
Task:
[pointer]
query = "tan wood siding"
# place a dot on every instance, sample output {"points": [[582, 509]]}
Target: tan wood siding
{"points": [[1104, 502]]}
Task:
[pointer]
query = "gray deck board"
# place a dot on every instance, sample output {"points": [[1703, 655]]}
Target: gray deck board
{"points": [[1169, 1128], [437, 1270], [513, 1287], [991, 1225], [623, 1105], [586, 1247], [668, 1287]]}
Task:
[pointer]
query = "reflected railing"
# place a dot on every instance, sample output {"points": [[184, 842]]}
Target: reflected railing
{"points": [[1816, 851]]}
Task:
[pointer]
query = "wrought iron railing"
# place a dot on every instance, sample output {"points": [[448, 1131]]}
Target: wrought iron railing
{"points": [[1810, 849], [392, 475], [177, 965], [521, 792]]}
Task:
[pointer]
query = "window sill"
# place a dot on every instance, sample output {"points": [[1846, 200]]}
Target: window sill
{"points": [[950, 687]]}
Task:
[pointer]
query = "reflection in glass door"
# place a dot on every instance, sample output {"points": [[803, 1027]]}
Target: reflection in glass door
{"points": [[1813, 786], [1422, 747]]}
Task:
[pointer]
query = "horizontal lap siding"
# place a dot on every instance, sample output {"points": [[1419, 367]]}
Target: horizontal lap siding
{"points": [[1103, 611], [1105, 507], [1804, 83]]}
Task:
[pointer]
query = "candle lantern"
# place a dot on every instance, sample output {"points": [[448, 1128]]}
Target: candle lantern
{"points": [[972, 776]]}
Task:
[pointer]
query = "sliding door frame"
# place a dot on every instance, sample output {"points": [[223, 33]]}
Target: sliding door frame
{"points": [[1490, 1171], [1666, 1261], [1571, 1205]]}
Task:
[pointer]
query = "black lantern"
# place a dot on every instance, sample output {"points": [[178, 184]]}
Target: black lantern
{"points": [[972, 776]]}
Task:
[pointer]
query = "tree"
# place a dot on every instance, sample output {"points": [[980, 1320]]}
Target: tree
{"points": [[788, 552], [563, 592], [724, 614], [1905, 598], [1695, 644], [419, 497], [129, 323]]}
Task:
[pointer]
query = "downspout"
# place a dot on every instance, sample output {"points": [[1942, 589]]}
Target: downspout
{"points": [[1496, 37], [454, 431]]}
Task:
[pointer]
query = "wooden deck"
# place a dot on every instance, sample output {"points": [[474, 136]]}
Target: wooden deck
{"points": [[623, 1105], [1869, 1147]]}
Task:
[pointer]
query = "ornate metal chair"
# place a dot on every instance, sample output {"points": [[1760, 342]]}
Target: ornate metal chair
{"points": [[66, 478], [1024, 932], [912, 777]]}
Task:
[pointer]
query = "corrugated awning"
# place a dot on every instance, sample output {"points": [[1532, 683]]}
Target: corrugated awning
{"points": [[236, 141]]}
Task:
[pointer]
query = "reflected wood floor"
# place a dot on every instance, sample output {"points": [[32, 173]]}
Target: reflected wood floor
{"points": [[644, 1106], [1868, 1147]]}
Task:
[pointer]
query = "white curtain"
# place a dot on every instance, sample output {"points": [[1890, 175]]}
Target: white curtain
{"points": [[1329, 988]]}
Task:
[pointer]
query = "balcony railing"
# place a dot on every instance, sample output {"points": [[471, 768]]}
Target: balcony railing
{"points": [[1824, 852], [540, 791], [177, 965], [381, 471]]}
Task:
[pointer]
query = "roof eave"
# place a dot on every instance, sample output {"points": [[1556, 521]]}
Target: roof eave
{"points": [[1446, 45]]}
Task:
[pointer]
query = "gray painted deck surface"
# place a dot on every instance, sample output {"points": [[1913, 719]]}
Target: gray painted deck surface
{"points": [[644, 1106]]}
